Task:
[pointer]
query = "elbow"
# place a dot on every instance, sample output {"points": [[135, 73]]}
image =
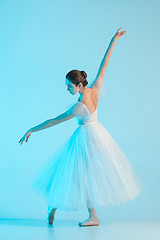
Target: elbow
{"points": [[52, 122]]}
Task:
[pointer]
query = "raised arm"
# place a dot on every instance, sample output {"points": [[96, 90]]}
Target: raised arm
{"points": [[97, 84]]}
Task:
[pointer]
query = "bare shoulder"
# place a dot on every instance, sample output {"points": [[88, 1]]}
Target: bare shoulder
{"points": [[90, 99], [94, 94]]}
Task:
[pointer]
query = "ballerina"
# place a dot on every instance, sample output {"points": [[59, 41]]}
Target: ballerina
{"points": [[90, 169]]}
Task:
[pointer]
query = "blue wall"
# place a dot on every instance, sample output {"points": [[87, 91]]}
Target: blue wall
{"points": [[40, 42]]}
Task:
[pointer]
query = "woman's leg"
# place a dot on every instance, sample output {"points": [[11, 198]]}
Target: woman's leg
{"points": [[92, 220], [50, 215], [92, 213]]}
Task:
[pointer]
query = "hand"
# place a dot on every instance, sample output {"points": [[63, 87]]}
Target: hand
{"points": [[119, 34], [26, 135]]}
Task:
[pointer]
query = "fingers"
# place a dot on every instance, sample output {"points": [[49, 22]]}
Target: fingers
{"points": [[119, 29], [21, 140], [28, 137], [123, 32], [120, 34]]}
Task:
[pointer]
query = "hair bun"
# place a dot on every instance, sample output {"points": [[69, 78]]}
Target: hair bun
{"points": [[84, 74]]}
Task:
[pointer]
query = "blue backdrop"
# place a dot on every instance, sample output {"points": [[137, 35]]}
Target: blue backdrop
{"points": [[40, 42]]}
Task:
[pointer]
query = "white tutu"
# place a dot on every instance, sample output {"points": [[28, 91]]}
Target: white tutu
{"points": [[88, 170]]}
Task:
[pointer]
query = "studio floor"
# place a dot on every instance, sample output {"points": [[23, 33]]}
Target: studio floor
{"points": [[38, 229]]}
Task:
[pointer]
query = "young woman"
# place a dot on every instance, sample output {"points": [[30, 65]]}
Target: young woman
{"points": [[90, 169]]}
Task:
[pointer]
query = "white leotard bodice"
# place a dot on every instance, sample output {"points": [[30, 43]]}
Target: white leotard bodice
{"points": [[80, 111], [86, 117]]}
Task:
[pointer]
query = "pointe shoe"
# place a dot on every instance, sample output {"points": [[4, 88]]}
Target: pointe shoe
{"points": [[50, 216], [91, 221]]}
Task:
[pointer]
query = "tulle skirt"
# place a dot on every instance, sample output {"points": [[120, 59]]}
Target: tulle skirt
{"points": [[88, 170]]}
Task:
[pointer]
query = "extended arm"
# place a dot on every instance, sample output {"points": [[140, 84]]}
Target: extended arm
{"points": [[97, 84], [73, 111], [52, 122], [48, 123]]}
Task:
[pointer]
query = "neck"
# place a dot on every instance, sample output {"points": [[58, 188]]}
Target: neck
{"points": [[82, 90]]}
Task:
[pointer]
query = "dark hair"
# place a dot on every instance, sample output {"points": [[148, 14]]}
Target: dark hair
{"points": [[76, 77]]}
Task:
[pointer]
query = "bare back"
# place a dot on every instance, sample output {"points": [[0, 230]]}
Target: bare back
{"points": [[90, 99]]}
